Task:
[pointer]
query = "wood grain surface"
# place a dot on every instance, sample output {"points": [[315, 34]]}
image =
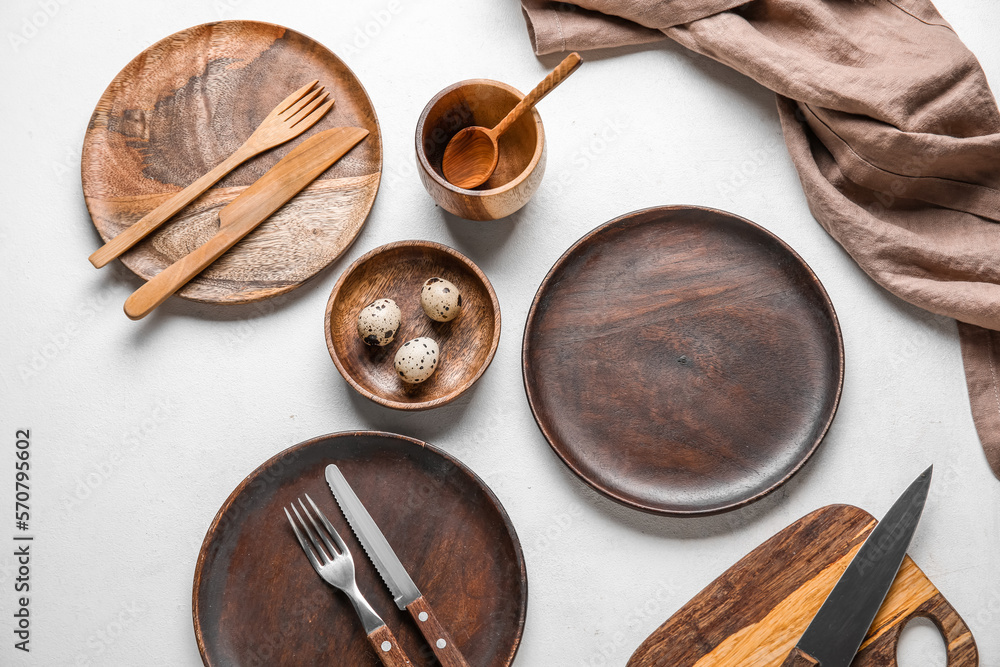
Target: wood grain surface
{"points": [[755, 612], [257, 600], [258, 202], [294, 115], [397, 271], [521, 161], [682, 360], [186, 103], [798, 658]]}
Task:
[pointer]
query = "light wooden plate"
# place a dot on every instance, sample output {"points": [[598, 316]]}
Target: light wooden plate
{"points": [[397, 271], [187, 102]]}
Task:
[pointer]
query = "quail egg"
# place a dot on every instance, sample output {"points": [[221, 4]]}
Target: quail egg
{"points": [[378, 322], [441, 300], [416, 360]]}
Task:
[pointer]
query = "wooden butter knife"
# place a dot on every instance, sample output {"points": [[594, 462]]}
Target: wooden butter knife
{"points": [[242, 215]]}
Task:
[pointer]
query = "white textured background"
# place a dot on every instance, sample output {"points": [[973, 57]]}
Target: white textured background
{"points": [[141, 430]]}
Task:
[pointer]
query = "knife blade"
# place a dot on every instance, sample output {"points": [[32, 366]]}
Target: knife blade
{"points": [[838, 628], [405, 592], [242, 215]]}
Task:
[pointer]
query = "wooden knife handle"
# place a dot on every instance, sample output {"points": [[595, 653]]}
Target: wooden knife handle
{"points": [[387, 648], [799, 658], [441, 643]]}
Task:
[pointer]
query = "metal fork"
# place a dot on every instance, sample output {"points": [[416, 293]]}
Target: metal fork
{"points": [[296, 114], [336, 567]]}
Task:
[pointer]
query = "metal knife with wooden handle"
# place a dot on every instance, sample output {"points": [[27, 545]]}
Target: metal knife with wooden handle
{"points": [[838, 628], [404, 591], [242, 215]]}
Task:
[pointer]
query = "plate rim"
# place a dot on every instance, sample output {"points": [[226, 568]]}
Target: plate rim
{"points": [[494, 500], [614, 494], [259, 295], [388, 402]]}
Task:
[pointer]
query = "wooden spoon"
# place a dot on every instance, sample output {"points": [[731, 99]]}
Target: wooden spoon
{"points": [[472, 155]]}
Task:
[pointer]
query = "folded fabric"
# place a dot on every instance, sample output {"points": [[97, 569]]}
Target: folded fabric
{"points": [[892, 127]]}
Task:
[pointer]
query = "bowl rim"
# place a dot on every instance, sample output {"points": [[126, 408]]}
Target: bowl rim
{"points": [[510, 185], [382, 400]]}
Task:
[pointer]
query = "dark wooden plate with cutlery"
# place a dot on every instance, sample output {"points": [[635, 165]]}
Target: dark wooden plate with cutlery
{"points": [[185, 105], [257, 600], [682, 360]]}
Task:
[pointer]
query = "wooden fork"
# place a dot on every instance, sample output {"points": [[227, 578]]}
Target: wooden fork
{"points": [[296, 114]]}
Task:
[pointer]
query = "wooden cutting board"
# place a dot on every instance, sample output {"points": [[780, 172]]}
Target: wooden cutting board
{"points": [[756, 611]]}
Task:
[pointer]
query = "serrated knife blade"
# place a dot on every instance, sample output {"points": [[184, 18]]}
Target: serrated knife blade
{"points": [[405, 593], [389, 567]]}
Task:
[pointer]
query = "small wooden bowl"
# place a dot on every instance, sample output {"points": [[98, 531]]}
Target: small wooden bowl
{"points": [[519, 171], [397, 271]]}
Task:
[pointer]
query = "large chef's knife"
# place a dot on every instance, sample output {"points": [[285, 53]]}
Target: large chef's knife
{"points": [[838, 628], [404, 591], [242, 215]]}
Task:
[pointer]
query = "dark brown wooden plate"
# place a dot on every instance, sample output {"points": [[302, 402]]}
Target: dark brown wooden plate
{"points": [[683, 360], [257, 600], [397, 271], [189, 101]]}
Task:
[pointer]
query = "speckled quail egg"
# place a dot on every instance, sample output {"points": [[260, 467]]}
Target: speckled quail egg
{"points": [[416, 360], [441, 300], [378, 322]]}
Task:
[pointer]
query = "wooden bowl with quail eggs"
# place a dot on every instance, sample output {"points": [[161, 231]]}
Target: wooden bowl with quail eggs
{"points": [[412, 324]]}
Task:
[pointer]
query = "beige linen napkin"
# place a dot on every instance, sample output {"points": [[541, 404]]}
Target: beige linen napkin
{"points": [[890, 123]]}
